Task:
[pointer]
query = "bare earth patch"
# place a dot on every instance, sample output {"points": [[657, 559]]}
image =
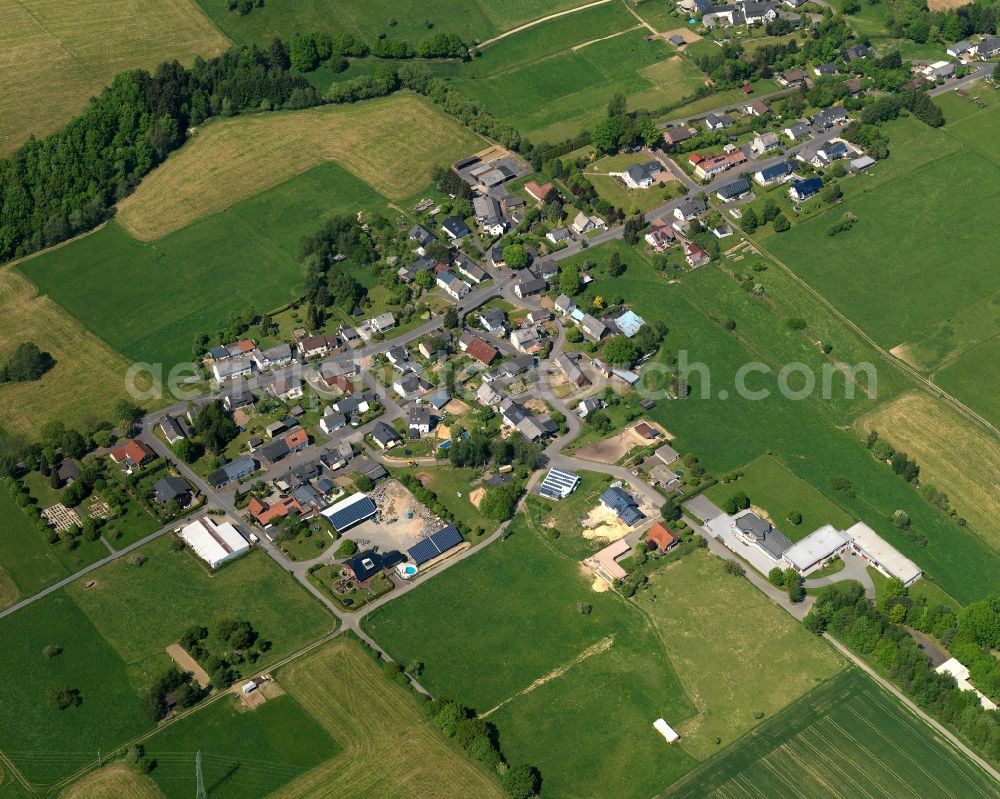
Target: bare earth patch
{"points": [[944, 5], [233, 159], [476, 496], [187, 663]]}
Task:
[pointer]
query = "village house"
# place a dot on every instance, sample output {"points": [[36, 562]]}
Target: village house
{"points": [[593, 328], [797, 130], [232, 368], [718, 121], [332, 421], [421, 235], [676, 135], [473, 271], [475, 347], [538, 192], [493, 320], [382, 322], [706, 167], [639, 176], [286, 389], [384, 435], [418, 421], [488, 395], [763, 142], [564, 305], [235, 470], [623, 504], [690, 208], [172, 489], [829, 117], [736, 190], [171, 429], [314, 346], [695, 255], [559, 234], [489, 215], [755, 108], [526, 341], [525, 288], [804, 189], [453, 285], [132, 454], [455, 228], [571, 370], [791, 77], [660, 237], [774, 175], [410, 385]]}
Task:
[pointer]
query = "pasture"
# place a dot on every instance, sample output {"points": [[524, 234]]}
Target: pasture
{"points": [[88, 376], [27, 561], [390, 748], [777, 491], [847, 738], [149, 301], [243, 752], [555, 80], [721, 634], [963, 377], [55, 56], [117, 780], [234, 159], [526, 593], [407, 19], [822, 444], [954, 454], [139, 612]]}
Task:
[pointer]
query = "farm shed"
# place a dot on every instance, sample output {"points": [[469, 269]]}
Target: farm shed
{"points": [[214, 542], [350, 511], [666, 731], [887, 559]]}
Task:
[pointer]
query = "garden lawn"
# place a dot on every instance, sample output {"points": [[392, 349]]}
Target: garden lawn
{"points": [[243, 752], [814, 437], [721, 634], [447, 482], [493, 625], [149, 301], [778, 492], [44, 743], [847, 738], [142, 610], [566, 515]]}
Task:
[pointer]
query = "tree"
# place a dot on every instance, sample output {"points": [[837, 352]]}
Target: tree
{"points": [[650, 134], [615, 265], [574, 336], [795, 517], [634, 226], [424, 279], [187, 450], [793, 582], [521, 782], [776, 577], [127, 413], [737, 502], [346, 549], [781, 223], [734, 568], [620, 351], [303, 53], [749, 220], [607, 134], [569, 280], [451, 318], [62, 697], [515, 256], [831, 192], [26, 363], [499, 501], [617, 105]]}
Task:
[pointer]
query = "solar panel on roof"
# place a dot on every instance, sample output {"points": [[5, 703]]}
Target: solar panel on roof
{"points": [[357, 512], [434, 545], [558, 484]]}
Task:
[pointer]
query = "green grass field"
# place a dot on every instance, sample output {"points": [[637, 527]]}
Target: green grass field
{"points": [[779, 492], [243, 752], [28, 561], [566, 515], [619, 195], [555, 80], [846, 739], [543, 668], [709, 622], [814, 437], [963, 377], [471, 21], [114, 636], [149, 300]]}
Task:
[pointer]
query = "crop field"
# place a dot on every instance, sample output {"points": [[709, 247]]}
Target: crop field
{"points": [[392, 144], [114, 636], [55, 56], [823, 444], [955, 456], [243, 752], [88, 377], [709, 622], [846, 739], [778, 492], [117, 780], [407, 19], [390, 749], [148, 301], [587, 670], [562, 87]]}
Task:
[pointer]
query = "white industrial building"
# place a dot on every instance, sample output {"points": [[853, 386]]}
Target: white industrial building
{"points": [[214, 542], [877, 551], [815, 549], [954, 668]]}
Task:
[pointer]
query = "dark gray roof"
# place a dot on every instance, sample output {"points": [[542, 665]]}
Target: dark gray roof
{"points": [[384, 433], [768, 537], [734, 189], [170, 488], [434, 545]]}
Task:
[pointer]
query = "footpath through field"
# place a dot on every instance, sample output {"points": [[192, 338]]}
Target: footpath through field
{"points": [[539, 21]]}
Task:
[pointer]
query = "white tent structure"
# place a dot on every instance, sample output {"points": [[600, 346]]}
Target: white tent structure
{"points": [[666, 731], [214, 542]]}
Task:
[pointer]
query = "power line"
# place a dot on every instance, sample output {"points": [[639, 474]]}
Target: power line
{"points": [[200, 793]]}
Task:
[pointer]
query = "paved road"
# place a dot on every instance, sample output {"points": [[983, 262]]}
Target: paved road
{"points": [[936, 725], [855, 568], [983, 71]]}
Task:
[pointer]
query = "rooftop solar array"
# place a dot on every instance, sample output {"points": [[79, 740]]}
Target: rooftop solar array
{"points": [[434, 545], [349, 512], [558, 484]]}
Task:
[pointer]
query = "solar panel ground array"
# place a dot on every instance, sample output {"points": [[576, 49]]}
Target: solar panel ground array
{"points": [[846, 739]]}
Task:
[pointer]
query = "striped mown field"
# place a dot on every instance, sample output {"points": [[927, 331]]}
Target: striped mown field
{"points": [[846, 740]]}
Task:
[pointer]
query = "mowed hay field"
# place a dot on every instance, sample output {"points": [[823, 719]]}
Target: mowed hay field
{"points": [[955, 456], [116, 780], [721, 635], [847, 739], [54, 55], [391, 750], [87, 379], [392, 144]]}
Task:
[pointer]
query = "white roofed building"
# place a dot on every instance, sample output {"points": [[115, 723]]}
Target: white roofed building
{"points": [[815, 549], [214, 542], [884, 557]]}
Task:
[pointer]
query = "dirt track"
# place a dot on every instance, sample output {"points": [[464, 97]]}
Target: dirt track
{"points": [[180, 656]]}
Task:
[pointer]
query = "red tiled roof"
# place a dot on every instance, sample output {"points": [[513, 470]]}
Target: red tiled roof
{"points": [[659, 537], [245, 345], [297, 438], [341, 382], [133, 452], [266, 514], [481, 351], [537, 191]]}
